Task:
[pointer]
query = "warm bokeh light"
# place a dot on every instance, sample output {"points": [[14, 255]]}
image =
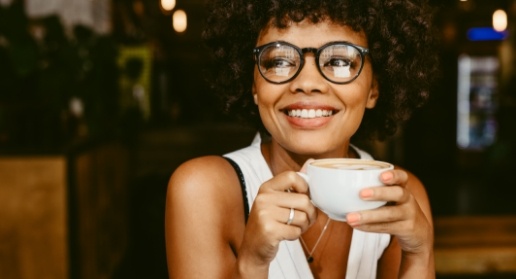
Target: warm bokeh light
{"points": [[168, 5], [179, 21], [499, 20]]}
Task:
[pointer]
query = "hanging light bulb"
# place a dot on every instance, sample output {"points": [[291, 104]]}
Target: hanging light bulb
{"points": [[168, 5], [179, 21], [499, 20]]}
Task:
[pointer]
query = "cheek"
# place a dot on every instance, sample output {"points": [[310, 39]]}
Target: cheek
{"points": [[355, 96], [360, 93], [265, 93]]}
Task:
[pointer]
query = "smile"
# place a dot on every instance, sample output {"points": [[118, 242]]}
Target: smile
{"points": [[309, 113]]}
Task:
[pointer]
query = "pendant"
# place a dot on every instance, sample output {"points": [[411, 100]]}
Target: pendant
{"points": [[310, 259]]}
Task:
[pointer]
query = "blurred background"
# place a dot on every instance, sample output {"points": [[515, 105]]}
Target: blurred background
{"points": [[100, 100]]}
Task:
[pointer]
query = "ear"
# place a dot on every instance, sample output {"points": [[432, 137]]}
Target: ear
{"points": [[373, 95], [255, 96]]}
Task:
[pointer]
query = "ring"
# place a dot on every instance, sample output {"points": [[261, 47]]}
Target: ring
{"points": [[291, 216]]}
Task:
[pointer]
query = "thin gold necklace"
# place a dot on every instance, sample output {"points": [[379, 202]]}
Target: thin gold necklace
{"points": [[310, 258]]}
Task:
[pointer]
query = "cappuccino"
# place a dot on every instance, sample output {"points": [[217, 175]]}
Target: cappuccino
{"points": [[335, 184], [350, 164]]}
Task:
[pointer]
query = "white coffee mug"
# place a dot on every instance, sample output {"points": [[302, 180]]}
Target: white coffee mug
{"points": [[335, 184]]}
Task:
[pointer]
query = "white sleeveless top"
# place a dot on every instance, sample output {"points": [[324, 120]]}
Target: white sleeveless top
{"points": [[290, 261]]}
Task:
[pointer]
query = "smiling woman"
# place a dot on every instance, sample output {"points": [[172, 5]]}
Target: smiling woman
{"points": [[311, 76]]}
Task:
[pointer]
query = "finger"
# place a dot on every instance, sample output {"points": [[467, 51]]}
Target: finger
{"points": [[301, 203], [271, 223], [296, 218], [392, 228], [287, 223], [286, 181], [284, 201], [399, 228], [379, 215], [395, 194], [394, 177]]}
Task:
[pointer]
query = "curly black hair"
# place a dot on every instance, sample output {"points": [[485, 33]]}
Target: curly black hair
{"points": [[399, 32]]}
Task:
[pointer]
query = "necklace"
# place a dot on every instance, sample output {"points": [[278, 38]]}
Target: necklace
{"points": [[310, 258]]}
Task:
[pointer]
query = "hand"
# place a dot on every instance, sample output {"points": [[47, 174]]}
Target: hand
{"points": [[406, 215], [267, 224]]}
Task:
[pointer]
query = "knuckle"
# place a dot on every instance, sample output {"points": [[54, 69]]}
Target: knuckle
{"points": [[303, 218], [262, 215], [291, 175], [399, 193], [307, 203], [268, 229], [260, 199]]}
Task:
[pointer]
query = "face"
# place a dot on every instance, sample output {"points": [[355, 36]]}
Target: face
{"points": [[334, 111]]}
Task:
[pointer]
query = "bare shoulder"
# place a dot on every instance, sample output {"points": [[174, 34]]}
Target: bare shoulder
{"points": [[203, 196], [208, 177], [202, 169]]}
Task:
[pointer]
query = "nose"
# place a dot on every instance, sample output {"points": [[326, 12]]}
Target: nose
{"points": [[309, 79]]}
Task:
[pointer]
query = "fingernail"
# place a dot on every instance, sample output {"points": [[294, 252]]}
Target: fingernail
{"points": [[353, 219], [387, 176], [366, 193]]}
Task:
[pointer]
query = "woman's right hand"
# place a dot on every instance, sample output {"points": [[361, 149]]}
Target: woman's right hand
{"points": [[267, 224]]}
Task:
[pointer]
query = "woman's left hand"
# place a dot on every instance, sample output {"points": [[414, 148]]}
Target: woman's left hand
{"points": [[406, 215]]}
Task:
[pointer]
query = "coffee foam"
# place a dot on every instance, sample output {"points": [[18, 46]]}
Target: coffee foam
{"points": [[351, 164]]}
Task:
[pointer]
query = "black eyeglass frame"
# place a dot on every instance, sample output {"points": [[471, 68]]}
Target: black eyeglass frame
{"points": [[257, 51]]}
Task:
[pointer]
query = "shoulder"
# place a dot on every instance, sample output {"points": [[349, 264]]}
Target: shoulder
{"points": [[203, 196], [203, 175], [209, 183]]}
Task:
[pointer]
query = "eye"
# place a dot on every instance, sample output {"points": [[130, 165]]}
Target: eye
{"points": [[277, 62], [338, 62]]}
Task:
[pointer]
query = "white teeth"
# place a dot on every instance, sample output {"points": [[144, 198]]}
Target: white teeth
{"points": [[309, 113]]}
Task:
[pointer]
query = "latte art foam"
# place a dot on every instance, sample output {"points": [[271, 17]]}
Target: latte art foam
{"points": [[347, 165], [354, 167]]}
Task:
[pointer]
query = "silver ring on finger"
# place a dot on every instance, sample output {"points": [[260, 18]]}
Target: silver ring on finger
{"points": [[291, 216]]}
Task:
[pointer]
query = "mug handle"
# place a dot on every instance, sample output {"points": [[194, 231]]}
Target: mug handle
{"points": [[307, 179], [304, 176]]}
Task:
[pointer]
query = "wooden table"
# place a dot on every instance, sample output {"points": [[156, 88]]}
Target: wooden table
{"points": [[475, 245]]}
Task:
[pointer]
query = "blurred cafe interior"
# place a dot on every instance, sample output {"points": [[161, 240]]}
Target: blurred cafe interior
{"points": [[100, 100]]}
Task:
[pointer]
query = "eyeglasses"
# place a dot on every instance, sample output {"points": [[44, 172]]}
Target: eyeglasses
{"points": [[338, 62]]}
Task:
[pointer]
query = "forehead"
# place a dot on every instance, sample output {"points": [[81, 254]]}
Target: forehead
{"points": [[308, 34]]}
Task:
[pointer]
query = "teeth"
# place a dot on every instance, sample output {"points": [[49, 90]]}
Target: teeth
{"points": [[309, 113]]}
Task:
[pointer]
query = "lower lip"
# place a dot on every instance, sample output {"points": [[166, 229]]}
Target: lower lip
{"points": [[309, 123]]}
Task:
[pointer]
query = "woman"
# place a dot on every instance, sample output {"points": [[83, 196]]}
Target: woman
{"points": [[312, 76]]}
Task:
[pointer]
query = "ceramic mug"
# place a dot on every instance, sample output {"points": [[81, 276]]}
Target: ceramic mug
{"points": [[335, 184]]}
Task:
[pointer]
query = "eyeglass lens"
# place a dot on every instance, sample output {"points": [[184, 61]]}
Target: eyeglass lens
{"points": [[338, 62]]}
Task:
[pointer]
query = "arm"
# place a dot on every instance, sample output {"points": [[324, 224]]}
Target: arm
{"points": [[205, 232], [203, 218]]}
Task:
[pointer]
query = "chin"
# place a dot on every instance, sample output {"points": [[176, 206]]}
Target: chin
{"points": [[312, 149]]}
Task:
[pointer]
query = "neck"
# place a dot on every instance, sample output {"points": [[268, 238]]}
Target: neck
{"points": [[280, 160]]}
